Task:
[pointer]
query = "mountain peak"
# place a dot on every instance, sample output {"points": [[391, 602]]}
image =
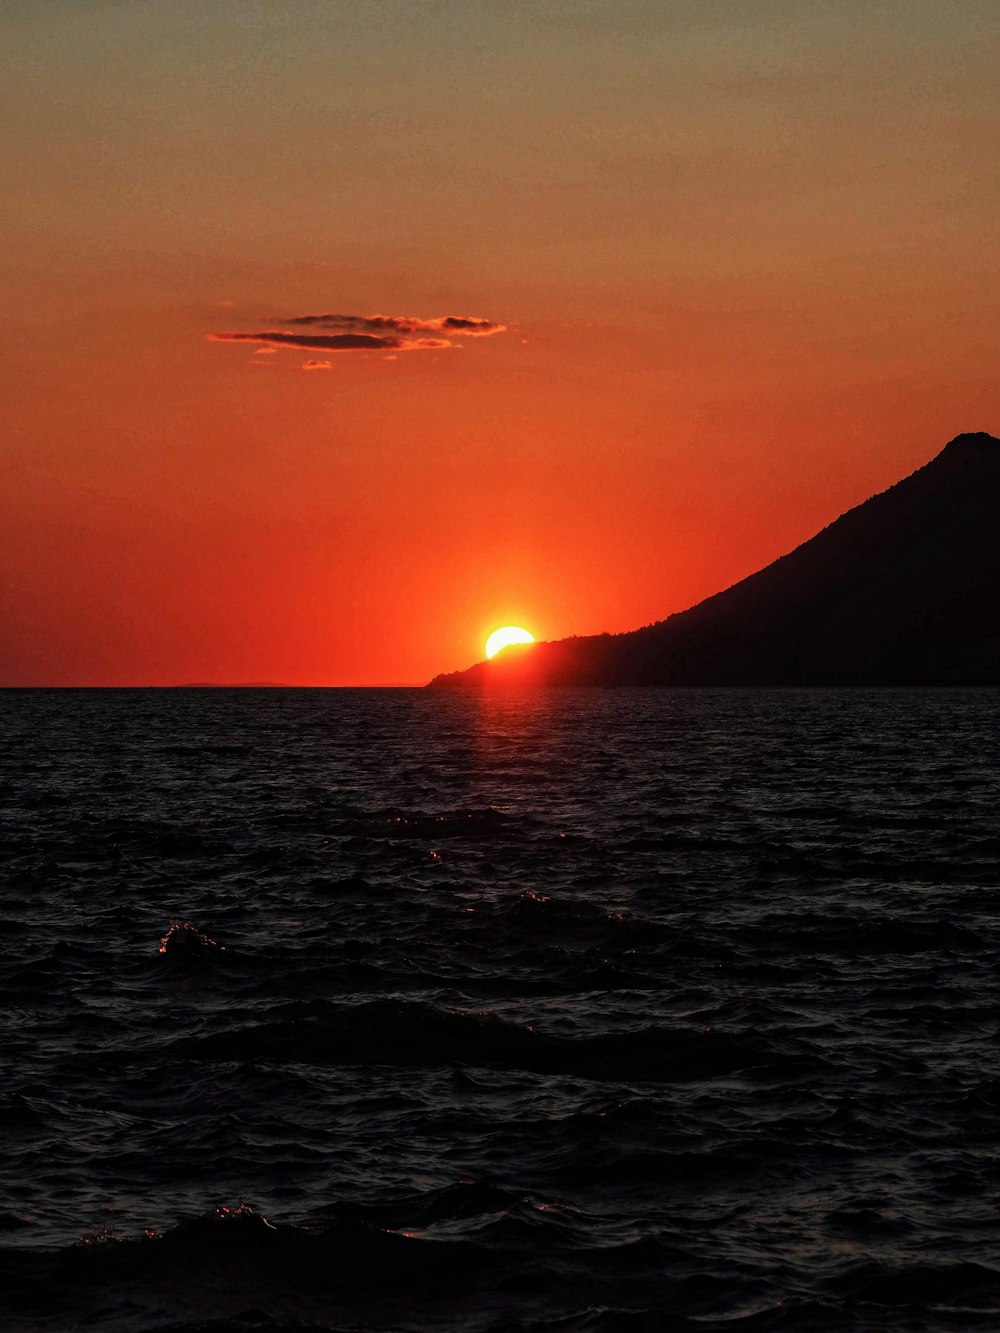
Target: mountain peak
{"points": [[973, 439]]}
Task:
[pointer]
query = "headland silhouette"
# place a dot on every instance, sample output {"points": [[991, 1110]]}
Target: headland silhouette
{"points": [[904, 589]]}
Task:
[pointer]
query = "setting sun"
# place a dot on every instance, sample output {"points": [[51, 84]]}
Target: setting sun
{"points": [[503, 638]]}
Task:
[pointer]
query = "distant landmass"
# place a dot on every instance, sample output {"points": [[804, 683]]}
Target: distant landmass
{"points": [[901, 590]]}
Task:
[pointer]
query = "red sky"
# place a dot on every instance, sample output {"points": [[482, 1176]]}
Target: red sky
{"points": [[744, 256]]}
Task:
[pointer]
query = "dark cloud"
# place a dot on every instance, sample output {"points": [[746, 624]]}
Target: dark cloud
{"points": [[402, 324], [478, 328], [367, 333], [337, 342]]}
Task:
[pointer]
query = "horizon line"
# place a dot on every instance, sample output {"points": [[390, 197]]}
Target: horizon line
{"points": [[226, 685]]}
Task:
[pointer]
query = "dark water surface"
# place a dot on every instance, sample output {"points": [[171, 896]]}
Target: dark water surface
{"points": [[570, 1010]]}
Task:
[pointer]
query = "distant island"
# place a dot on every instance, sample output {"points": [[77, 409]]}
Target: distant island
{"points": [[901, 590]]}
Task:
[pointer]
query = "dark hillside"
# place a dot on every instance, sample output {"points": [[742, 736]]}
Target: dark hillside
{"points": [[903, 589]]}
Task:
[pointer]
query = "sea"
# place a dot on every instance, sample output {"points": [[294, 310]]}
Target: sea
{"points": [[544, 1010]]}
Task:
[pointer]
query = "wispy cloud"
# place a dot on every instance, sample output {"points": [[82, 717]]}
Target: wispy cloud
{"points": [[361, 333], [380, 325], [334, 342], [317, 365]]}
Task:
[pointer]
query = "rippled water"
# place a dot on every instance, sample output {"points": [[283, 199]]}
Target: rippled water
{"points": [[569, 1010]]}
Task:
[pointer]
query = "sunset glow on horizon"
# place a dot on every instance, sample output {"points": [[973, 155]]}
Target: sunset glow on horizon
{"points": [[603, 307]]}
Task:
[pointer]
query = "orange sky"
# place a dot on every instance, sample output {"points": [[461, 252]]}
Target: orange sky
{"points": [[745, 256]]}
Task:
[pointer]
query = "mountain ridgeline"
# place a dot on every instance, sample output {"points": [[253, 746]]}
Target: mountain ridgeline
{"points": [[902, 590]]}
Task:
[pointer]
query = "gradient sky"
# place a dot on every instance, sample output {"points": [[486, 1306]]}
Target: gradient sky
{"points": [[744, 255]]}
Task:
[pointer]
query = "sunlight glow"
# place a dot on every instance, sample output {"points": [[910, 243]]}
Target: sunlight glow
{"points": [[503, 638]]}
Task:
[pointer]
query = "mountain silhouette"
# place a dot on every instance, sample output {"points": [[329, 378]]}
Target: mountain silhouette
{"points": [[901, 590]]}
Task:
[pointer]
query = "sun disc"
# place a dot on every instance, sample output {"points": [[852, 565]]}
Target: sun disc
{"points": [[503, 638]]}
